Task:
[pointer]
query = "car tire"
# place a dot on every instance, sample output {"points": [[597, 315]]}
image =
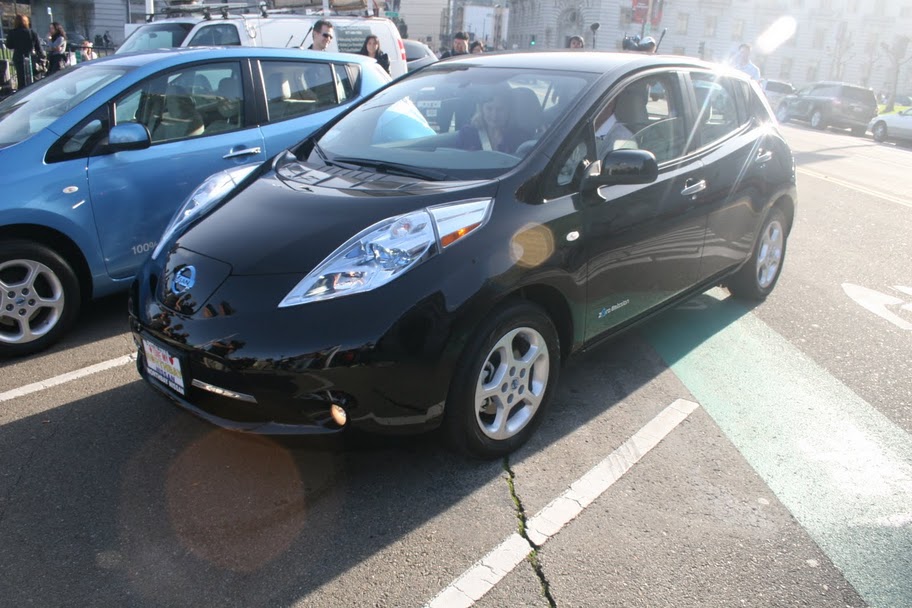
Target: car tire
{"points": [[879, 131], [40, 297], [782, 114], [756, 279], [817, 120], [503, 382]]}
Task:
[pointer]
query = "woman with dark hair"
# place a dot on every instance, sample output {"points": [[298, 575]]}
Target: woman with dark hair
{"points": [[23, 41], [371, 48], [57, 57], [477, 48]]}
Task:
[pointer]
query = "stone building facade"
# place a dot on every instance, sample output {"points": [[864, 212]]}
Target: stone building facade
{"points": [[832, 40]]}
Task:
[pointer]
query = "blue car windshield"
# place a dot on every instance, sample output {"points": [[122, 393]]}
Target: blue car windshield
{"points": [[455, 120], [31, 110]]}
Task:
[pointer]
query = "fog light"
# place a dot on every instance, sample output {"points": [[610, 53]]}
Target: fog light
{"points": [[338, 414]]}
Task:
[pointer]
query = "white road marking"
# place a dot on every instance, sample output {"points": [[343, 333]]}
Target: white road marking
{"points": [[862, 189], [877, 303], [473, 584], [64, 378]]}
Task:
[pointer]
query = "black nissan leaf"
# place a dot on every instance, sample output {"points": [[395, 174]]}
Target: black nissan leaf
{"points": [[434, 255]]}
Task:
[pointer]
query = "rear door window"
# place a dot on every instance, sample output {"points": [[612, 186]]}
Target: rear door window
{"points": [[717, 110], [298, 88]]}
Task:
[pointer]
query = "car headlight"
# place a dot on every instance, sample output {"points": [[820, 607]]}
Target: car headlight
{"points": [[377, 255], [207, 194]]}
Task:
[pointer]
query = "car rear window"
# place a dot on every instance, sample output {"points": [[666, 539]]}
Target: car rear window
{"points": [[778, 87], [859, 95]]}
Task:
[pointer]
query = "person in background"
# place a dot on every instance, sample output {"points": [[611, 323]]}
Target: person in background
{"points": [[477, 48], [371, 48], [87, 53], [742, 61], [23, 41], [460, 45], [57, 58], [576, 42], [322, 35]]}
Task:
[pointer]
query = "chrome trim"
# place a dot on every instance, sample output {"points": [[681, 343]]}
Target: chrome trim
{"points": [[224, 392]]}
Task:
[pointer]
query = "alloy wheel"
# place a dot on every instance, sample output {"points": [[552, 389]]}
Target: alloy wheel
{"points": [[31, 301], [769, 254], [512, 383]]}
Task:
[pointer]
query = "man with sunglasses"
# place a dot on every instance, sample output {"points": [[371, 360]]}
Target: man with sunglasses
{"points": [[322, 35]]}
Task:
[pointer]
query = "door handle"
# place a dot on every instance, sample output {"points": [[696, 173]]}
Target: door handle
{"points": [[244, 152], [764, 157], [691, 187]]}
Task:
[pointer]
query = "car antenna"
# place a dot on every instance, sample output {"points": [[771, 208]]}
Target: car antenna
{"points": [[309, 30], [661, 37]]}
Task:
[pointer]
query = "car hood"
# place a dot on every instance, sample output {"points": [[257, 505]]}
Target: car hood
{"points": [[280, 225]]}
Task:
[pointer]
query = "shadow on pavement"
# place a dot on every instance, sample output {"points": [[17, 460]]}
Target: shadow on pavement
{"points": [[121, 499]]}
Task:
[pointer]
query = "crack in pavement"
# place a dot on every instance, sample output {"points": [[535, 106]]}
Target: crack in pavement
{"points": [[533, 556]]}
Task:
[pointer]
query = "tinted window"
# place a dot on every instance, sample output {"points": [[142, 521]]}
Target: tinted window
{"points": [[296, 88], [717, 110], [826, 90], [778, 87], [857, 94], [221, 34], [186, 103]]}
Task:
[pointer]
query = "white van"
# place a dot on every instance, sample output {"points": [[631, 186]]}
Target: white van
{"points": [[214, 25]]}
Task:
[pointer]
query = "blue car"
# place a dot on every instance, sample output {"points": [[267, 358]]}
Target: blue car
{"points": [[95, 161]]}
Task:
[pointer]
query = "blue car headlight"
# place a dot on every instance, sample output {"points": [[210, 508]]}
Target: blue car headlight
{"points": [[382, 252], [207, 194]]}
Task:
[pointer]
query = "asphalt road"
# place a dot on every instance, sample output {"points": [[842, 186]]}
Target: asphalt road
{"points": [[720, 456]]}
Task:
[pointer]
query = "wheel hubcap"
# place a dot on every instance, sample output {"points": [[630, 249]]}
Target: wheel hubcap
{"points": [[31, 301], [769, 254], [512, 383]]}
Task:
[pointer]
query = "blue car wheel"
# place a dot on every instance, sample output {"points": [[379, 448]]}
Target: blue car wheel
{"points": [[39, 297]]}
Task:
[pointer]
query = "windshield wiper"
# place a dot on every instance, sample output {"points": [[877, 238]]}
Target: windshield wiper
{"points": [[382, 166]]}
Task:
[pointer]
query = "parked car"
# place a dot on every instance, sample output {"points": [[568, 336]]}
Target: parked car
{"points": [[830, 104], [191, 24], [892, 127], [95, 160], [392, 275], [418, 54], [776, 90]]}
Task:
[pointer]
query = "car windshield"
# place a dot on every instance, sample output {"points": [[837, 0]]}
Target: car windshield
{"points": [[459, 121], [27, 113], [156, 36]]}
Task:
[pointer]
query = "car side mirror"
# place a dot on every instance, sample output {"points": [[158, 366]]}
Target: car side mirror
{"points": [[622, 167], [129, 136]]}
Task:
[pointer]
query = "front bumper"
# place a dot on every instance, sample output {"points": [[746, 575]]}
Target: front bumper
{"points": [[247, 365]]}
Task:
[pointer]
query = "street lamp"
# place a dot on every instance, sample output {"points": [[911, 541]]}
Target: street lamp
{"points": [[594, 27]]}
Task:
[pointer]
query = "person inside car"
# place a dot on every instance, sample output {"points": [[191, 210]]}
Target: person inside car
{"points": [[490, 127]]}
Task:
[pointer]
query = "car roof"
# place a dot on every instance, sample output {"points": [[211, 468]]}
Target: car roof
{"points": [[578, 61], [175, 56]]}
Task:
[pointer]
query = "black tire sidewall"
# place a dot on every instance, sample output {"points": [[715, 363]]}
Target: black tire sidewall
{"points": [[28, 250], [460, 424], [883, 132]]}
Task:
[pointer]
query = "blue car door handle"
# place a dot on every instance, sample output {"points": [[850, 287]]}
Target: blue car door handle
{"points": [[244, 152], [692, 187]]}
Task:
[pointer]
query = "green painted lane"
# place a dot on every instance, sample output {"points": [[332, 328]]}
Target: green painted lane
{"points": [[841, 468]]}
